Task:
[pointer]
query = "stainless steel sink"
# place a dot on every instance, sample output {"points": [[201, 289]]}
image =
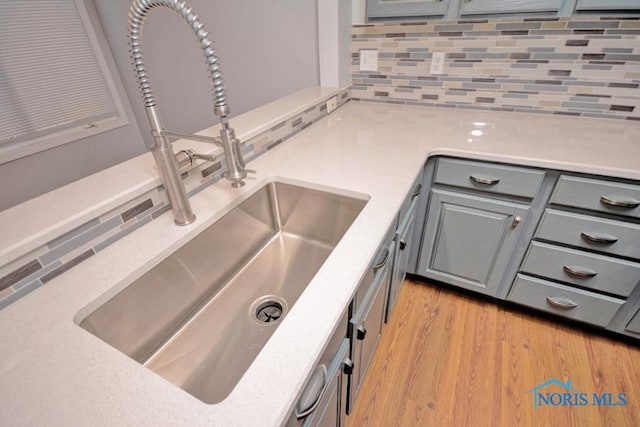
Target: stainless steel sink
{"points": [[200, 317]]}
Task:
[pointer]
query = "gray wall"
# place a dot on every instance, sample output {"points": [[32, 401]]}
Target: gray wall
{"points": [[266, 49]]}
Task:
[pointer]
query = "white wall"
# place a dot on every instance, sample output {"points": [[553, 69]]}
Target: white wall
{"points": [[358, 11], [335, 42]]}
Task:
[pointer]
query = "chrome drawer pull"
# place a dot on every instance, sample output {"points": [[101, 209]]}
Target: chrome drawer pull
{"points": [[579, 272], [603, 239], [416, 191], [382, 259], [562, 303], [486, 180], [626, 204]]}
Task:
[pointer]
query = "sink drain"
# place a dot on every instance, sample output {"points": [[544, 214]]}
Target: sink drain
{"points": [[268, 310]]}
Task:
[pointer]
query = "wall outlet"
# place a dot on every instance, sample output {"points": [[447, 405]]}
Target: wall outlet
{"points": [[332, 104], [368, 60], [437, 63]]}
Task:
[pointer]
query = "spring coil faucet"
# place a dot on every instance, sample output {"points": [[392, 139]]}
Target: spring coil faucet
{"points": [[169, 163]]}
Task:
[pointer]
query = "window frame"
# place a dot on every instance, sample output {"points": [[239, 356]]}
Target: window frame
{"points": [[14, 151]]}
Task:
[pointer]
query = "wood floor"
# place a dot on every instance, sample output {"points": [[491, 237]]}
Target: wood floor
{"points": [[446, 359]]}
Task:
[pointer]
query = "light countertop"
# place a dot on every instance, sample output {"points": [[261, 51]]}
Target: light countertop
{"points": [[53, 373]]}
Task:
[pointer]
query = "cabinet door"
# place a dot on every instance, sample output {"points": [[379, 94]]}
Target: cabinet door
{"points": [[366, 328], [404, 8], [608, 5], [468, 240], [331, 409], [482, 7], [634, 324], [404, 240]]}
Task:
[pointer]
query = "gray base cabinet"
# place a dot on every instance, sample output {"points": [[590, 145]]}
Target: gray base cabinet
{"points": [[331, 409], [366, 324], [468, 239], [323, 400], [563, 243], [404, 244], [583, 262]]}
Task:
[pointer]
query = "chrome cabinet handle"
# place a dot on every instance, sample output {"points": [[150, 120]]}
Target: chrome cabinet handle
{"points": [[347, 366], [579, 272], [361, 332], [382, 260], [312, 393], [485, 180], [626, 203], [416, 191], [402, 244], [603, 239], [561, 303], [517, 219]]}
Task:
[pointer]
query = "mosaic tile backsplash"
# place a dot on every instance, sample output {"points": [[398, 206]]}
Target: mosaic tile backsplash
{"points": [[40, 266], [584, 67]]}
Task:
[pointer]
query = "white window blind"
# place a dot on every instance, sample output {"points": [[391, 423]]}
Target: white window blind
{"points": [[54, 83]]}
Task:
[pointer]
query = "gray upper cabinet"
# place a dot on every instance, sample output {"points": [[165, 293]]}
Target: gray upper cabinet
{"points": [[486, 7], [597, 5], [456, 9], [469, 240], [404, 8]]}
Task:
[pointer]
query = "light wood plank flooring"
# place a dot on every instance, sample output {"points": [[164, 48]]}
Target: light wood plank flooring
{"points": [[447, 359]]}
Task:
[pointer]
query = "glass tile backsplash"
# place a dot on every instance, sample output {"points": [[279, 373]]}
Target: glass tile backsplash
{"points": [[582, 67], [35, 269]]}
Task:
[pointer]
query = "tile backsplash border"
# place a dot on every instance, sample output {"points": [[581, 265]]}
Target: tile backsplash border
{"points": [[571, 66], [36, 268]]}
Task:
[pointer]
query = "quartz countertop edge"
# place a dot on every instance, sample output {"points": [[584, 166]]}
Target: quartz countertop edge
{"points": [[53, 373]]}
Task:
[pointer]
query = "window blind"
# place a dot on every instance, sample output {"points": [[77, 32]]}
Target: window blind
{"points": [[50, 78]]}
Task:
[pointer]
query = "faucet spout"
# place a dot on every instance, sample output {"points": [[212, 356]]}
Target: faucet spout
{"points": [[162, 151]]}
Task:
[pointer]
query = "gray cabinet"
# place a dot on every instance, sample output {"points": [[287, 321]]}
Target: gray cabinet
{"points": [[468, 239], [323, 400], [456, 9], [403, 244], [584, 261], [365, 326], [485, 7], [404, 240], [604, 5], [407, 9], [331, 411], [634, 325], [566, 301]]}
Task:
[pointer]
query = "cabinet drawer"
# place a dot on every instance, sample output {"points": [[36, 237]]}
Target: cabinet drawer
{"points": [[597, 272], [599, 234], [564, 301], [499, 179], [604, 196]]}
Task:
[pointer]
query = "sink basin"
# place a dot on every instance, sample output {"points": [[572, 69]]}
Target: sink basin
{"points": [[200, 317]]}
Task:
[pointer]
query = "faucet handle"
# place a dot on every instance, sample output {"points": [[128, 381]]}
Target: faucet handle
{"points": [[185, 159]]}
